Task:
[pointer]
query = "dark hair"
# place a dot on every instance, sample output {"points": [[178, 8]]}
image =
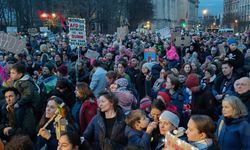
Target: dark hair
{"points": [[111, 98], [134, 116], [73, 138], [84, 90], [111, 75], [174, 80], [228, 63], [206, 125], [19, 67], [123, 63], [20, 142], [96, 63], [158, 104], [16, 92]]}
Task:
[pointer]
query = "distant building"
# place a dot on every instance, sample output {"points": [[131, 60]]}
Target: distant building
{"points": [[175, 13], [237, 14]]}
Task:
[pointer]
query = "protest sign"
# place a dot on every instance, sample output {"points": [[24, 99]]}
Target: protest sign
{"points": [[11, 29], [77, 31], [174, 143], [32, 31], [92, 54], [122, 32], [182, 41], [164, 33], [44, 29], [150, 54], [11, 43]]}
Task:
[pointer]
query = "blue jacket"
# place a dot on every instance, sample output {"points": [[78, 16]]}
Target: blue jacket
{"points": [[137, 138], [234, 134], [98, 81], [96, 131]]}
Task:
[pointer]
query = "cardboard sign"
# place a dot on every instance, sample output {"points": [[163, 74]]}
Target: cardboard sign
{"points": [[122, 32], [11, 29], [174, 143], [150, 54], [77, 31], [11, 43], [182, 41], [92, 54], [164, 33]]}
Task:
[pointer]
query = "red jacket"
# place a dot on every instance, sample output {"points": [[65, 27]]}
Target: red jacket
{"points": [[87, 112]]}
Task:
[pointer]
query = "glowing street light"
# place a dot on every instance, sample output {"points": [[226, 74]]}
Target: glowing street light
{"points": [[53, 15], [44, 15], [236, 21], [205, 12]]}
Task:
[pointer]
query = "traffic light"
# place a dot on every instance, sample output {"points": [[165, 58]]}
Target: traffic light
{"points": [[183, 24]]}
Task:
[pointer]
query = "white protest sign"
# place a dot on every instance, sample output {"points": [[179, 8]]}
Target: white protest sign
{"points": [[11, 29], [182, 41], [174, 143], [122, 32], [44, 29], [92, 54], [164, 33], [33, 31], [11, 43], [77, 31]]}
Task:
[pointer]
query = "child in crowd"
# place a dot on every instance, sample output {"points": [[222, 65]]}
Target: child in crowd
{"points": [[136, 123]]}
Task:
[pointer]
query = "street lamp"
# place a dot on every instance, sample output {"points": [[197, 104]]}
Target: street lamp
{"points": [[204, 13]]}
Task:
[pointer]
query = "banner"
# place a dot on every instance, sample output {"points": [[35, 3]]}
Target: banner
{"points": [[11, 43], [77, 31], [11, 29], [174, 143], [164, 33], [150, 54], [92, 54], [122, 32], [182, 41]]}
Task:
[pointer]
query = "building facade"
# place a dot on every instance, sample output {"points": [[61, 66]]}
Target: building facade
{"points": [[174, 13]]}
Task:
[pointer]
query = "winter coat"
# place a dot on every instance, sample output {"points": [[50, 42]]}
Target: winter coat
{"points": [[21, 124], [236, 57], [245, 98], [98, 81], [137, 138], [87, 111], [96, 132], [233, 134], [172, 54]]}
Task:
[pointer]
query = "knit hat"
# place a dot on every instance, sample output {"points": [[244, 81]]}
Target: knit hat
{"points": [[145, 103], [165, 96], [122, 82], [209, 58], [171, 117], [148, 66], [49, 65], [232, 41], [62, 70], [192, 80]]}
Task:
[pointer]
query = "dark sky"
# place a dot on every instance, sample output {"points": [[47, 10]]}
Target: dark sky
{"points": [[215, 7]]}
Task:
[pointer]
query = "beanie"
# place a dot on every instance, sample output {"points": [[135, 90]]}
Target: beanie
{"points": [[192, 81], [148, 65], [165, 96], [232, 41], [145, 102], [171, 117], [62, 70], [122, 82], [49, 65]]}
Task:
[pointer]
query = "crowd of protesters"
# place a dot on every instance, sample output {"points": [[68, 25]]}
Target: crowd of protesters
{"points": [[54, 97]]}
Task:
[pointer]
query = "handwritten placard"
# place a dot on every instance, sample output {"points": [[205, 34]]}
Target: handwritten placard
{"points": [[11, 43], [77, 31]]}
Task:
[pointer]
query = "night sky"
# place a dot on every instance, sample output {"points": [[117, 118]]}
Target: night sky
{"points": [[215, 7]]}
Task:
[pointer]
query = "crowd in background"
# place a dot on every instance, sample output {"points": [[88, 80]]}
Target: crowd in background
{"points": [[52, 94]]}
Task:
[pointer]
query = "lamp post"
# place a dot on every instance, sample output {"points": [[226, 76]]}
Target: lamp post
{"points": [[204, 13], [236, 23]]}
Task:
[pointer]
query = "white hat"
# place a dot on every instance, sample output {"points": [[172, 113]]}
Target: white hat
{"points": [[171, 117]]}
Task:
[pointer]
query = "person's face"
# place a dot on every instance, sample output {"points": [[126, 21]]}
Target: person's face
{"points": [[57, 58], [207, 75], [226, 69], [120, 69], [143, 122], [233, 46], [10, 98], [104, 104], [187, 68], [169, 84], [165, 126], [182, 78], [14, 75], [78, 93], [242, 85], [227, 109], [50, 109], [144, 70], [193, 133], [155, 114], [46, 71], [194, 67], [162, 74], [79, 66], [134, 62], [64, 143], [109, 80]]}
